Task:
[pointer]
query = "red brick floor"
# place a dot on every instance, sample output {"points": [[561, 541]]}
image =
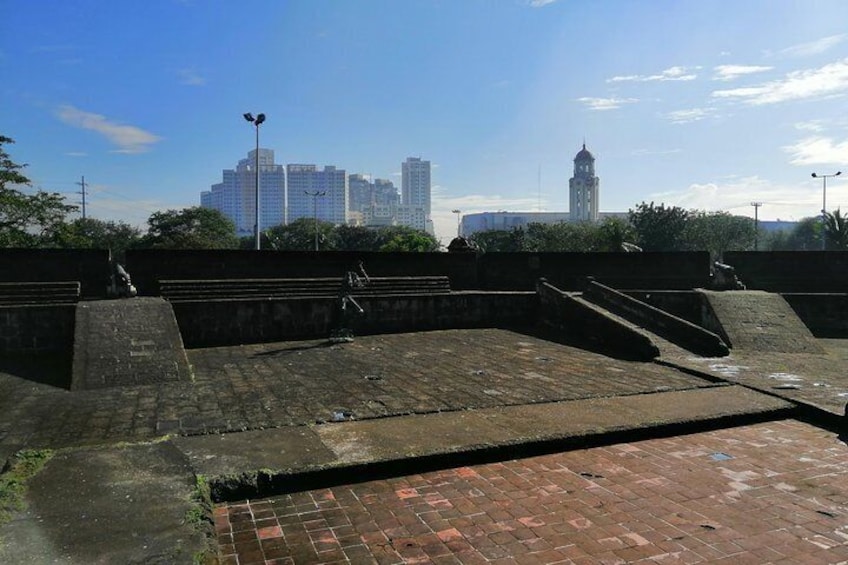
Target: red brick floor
{"points": [[767, 493]]}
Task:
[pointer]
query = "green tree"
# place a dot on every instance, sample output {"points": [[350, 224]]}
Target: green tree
{"points": [[413, 241], [718, 232], [659, 228], [613, 233], [498, 241], [358, 238], [26, 220], [806, 236], [300, 236], [562, 237], [190, 228], [836, 230], [91, 233]]}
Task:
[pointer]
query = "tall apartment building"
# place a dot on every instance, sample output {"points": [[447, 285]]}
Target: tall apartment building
{"points": [[414, 210], [584, 188], [306, 180], [360, 192], [415, 186], [385, 193], [235, 195]]}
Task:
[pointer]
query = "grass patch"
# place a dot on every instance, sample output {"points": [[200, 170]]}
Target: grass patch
{"points": [[13, 481]]}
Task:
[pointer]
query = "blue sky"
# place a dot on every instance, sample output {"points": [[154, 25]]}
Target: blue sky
{"points": [[709, 104]]}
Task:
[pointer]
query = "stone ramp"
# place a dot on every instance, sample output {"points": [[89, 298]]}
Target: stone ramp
{"points": [[126, 343], [755, 320]]}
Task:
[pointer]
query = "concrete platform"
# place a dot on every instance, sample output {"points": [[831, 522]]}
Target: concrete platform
{"points": [[259, 419], [260, 463]]}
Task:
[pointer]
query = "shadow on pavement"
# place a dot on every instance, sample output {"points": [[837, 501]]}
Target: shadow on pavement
{"points": [[48, 369], [294, 349]]}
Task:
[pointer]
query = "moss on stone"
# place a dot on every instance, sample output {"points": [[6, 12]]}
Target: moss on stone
{"points": [[13, 481]]}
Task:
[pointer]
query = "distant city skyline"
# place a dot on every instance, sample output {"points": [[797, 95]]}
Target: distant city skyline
{"points": [[329, 194], [709, 105]]}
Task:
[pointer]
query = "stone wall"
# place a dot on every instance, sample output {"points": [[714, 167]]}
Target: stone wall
{"points": [[568, 271], [684, 304], [32, 330], [791, 271], [467, 271], [148, 266], [230, 322], [825, 314], [88, 266]]}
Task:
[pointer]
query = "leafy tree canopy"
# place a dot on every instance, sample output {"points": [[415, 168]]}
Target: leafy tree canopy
{"points": [[659, 228], [26, 220], [836, 230], [91, 233], [718, 232], [190, 228]]}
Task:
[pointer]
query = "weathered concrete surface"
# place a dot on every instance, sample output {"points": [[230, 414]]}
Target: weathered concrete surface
{"points": [[759, 321], [127, 342], [107, 505], [290, 448], [296, 383], [291, 452]]}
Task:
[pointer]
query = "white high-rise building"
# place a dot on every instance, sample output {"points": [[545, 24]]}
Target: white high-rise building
{"points": [[331, 203], [235, 195], [583, 188], [414, 210]]}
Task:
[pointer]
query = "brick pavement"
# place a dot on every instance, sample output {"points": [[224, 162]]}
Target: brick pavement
{"points": [[765, 493], [296, 383]]}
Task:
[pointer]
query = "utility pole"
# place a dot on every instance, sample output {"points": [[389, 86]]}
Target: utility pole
{"points": [[756, 206], [315, 195], [82, 186]]}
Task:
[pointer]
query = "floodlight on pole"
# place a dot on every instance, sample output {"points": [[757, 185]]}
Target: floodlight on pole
{"points": [[458, 220], [824, 203], [260, 118], [315, 195]]}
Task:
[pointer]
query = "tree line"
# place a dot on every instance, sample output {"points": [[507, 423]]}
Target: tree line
{"points": [[43, 219], [654, 227]]}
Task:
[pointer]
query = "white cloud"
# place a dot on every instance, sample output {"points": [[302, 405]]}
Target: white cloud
{"points": [[540, 3], [606, 103], [818, 150], [735, 195], [129, 139], [108, 203], [814, 47], [730, 72], [671, 73], [829, 80], [812, 125], [190, 77], [688, 116], [76, 154]]}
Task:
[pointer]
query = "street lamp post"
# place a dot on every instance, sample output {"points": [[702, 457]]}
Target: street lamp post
{"points": [[256, 121], [315, 195], [458, 212], [824, 203]]}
